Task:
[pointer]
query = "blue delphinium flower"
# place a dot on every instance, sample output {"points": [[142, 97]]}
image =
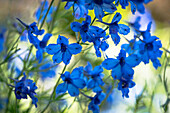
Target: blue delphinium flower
{"points": [[95, 77], [32, 31], [2, 38], [132, 47], [41, 11], [135, 24], [25, 87], [40, 45], [62, 51], [149, 49], [72, 82], [100, 6], [122, 66], [95, 101], [135, 4], [115, 28], [98, 42], [86, 31], [124, 86], [79, 8]]}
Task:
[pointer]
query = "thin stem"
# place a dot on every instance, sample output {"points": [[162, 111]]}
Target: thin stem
{"points": [[54, 90], [46, 14]]}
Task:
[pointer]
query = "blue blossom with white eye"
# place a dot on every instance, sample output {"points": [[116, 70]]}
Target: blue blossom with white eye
{"points": [[95, 76], [86, 31], [40, 13], [79, 8], [135, 4], [72, 82], [95, 101], [115, 28], [25, 87], [33, 31], [63, 51], [100, 6]]}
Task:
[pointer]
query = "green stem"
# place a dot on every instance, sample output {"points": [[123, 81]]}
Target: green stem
{"points": [[46, 14], [54, 90]]}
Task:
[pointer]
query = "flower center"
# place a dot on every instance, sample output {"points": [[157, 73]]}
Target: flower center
{"points": [[43, 44], [99, 2], [85, 27], [63, 47], [122, 61], [149, 46]]}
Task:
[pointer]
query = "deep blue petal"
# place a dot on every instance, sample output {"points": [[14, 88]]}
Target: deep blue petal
{"points": [[57, 57], [74, 48], [110, 63], [62, 39], [53, 49], [61, 88], [72, 90], [80, 83], [75, 26], [66, 57], [124, 29]]}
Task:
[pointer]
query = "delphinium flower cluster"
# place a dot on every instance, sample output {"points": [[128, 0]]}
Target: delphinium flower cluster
{"points": [[86, 81]]}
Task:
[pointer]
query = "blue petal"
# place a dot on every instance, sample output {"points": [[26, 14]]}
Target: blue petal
{"points": [[75, 26], [66, 57], [76, 73], [57, 57], [88, 67], [61, 88], [91, 83], [74, 48], [97, 70], [80, 83], [117, 72], [72, 90], [77, 11], [62, 39], [39, 55], [156, 63], [145, 57], [133, 7], [110, 63], [109, 7], [104, 46], [97, 89], [141, 8], [53, 49], [127, 71], [98, 53], [46, 37], [115, 38], [98, 12], [132, 60], [124, 29], [116, 18]]}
